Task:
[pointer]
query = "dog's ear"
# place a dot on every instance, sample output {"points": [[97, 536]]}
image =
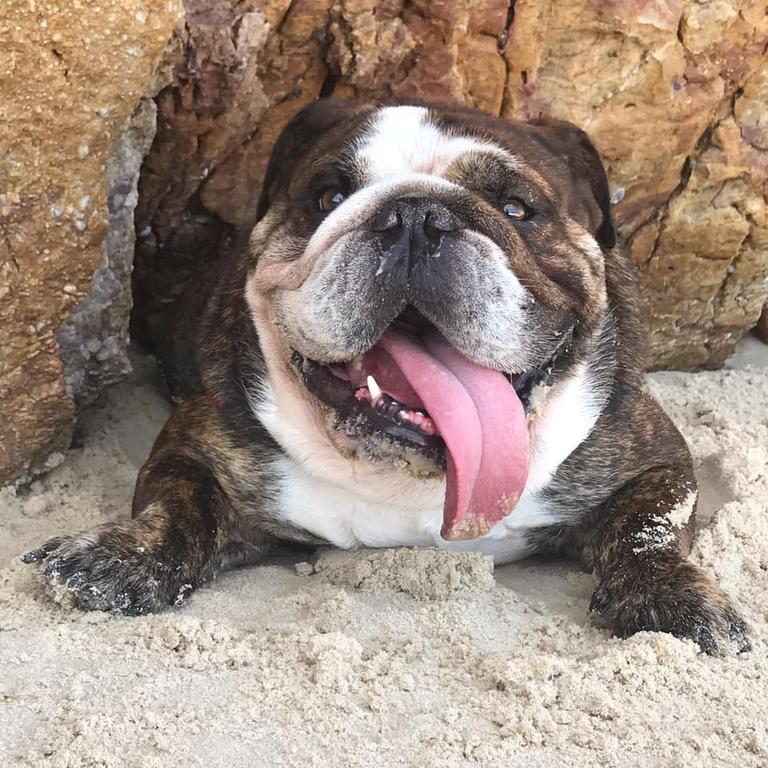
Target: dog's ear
{"points": [[573, 145], [301, 132]]}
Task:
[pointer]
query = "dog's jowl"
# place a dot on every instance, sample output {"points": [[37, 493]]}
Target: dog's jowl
{"points": [[431, 339]]}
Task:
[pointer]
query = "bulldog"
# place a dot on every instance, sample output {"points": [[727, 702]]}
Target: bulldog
{"points": [[432, 338]]}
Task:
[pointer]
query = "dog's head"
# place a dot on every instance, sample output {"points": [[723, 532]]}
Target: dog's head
{"points": [[415, 272]]}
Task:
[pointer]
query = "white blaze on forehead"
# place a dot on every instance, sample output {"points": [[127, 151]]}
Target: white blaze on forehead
{"points": [[402, 140]]}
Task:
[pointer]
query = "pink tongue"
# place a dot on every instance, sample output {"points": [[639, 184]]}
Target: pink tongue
{"points": [[483, 424]]}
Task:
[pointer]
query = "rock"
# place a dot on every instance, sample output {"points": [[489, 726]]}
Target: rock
{"points": [[705, 268], [674, 96], [70, 75], [93, 340]]}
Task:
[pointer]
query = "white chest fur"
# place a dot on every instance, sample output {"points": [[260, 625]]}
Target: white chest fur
{"points": [[346, 520], [353, 504]]}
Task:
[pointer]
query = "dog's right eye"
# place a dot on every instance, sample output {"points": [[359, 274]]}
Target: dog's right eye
{"points": [[331, 198], [517, 209]]}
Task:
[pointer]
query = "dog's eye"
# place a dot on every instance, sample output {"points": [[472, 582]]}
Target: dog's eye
{"points": [[517, 209], [331, 198]]}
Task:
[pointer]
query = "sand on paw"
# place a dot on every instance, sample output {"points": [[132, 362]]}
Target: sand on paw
{"points": [[426, 574]]}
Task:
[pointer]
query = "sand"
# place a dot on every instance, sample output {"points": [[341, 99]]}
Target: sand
{"points": [[407, 658]]}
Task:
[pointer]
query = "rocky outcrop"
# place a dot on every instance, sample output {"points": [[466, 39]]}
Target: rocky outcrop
{"points": [[71, 74], [673, 92]]}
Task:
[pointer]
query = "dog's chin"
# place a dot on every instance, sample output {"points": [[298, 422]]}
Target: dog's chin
{"points": [[367, 419]]}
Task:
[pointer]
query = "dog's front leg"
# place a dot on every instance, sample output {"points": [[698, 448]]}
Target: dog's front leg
{"points": [[644, 580], [183, 527]]}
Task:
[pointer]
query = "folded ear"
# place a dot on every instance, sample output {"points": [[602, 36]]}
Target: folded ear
{"points": [[301, 132], [574, 147]]}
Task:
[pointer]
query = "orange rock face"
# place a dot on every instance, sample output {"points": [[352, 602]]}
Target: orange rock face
{"points": [[673, 92], [70, 75]]}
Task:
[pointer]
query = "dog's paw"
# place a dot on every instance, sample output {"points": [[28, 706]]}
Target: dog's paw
{"points": [[112, 568], [681, 600]]}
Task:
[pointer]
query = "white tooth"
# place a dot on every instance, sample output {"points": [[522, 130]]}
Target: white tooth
{"points": [[357, 363], [374, 389]]}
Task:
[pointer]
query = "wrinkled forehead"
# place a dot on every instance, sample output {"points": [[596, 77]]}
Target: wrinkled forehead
{"points": [[397, 141]]}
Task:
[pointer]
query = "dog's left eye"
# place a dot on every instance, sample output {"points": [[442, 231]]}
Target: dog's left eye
{"points": [[516, 209], [330, 198]]}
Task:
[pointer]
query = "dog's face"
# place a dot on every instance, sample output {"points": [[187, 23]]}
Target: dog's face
{"points": [[416, 272]]}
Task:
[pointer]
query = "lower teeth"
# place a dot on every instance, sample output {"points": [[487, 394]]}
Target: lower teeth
{"points": [[394, 409]]}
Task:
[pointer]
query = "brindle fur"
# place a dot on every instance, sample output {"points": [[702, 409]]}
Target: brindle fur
{"points": [[205, 497]]}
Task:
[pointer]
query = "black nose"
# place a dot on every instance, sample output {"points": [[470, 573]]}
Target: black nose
{"points": [[410, 229]]}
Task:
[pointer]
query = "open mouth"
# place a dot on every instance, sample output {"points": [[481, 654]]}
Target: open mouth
{"points": [[355, 393], [412, 387]]}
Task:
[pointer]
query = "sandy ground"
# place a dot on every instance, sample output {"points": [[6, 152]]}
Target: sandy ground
{"points": [[407, 658]]}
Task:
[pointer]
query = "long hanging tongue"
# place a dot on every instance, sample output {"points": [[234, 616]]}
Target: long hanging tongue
{"points": [[483, 424]]}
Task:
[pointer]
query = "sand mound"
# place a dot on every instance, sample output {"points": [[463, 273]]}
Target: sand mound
{"points": [[427, 574], [266, 667]]}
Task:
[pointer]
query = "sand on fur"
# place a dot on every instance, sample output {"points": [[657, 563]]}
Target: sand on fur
{"points": [[391, 658]]}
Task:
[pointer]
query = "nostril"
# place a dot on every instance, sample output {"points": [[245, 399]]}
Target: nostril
{"points": [[387, 219], [438, 219], [432, 233], [430, 230], [436, 226]]}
